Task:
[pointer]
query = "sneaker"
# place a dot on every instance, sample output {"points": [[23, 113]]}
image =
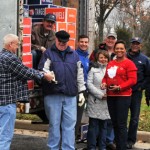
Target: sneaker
{"points": [[129, 145]]}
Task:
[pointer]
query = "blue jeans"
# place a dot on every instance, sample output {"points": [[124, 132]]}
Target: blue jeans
{"points": [[135, 112], [97, 129], [61, 110], [118, 107], [7, 123], [110, 132]]}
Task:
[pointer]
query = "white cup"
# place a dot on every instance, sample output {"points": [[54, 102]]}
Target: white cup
{"points": [[27, 107]]}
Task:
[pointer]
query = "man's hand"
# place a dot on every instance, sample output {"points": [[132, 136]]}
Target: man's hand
{"points": [[52, 73], [49, 76], [43, 49], [81, 99]]}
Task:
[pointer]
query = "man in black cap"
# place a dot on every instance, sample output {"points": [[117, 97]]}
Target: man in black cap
{"points": [[143, 65], [42, 37], [60, 99]]}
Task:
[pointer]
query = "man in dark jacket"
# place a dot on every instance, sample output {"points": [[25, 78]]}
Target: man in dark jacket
{"points": [[42, 37], [143, 65], [60, 98]]}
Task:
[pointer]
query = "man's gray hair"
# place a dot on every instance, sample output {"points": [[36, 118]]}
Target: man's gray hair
{"points": [[9, 38]]}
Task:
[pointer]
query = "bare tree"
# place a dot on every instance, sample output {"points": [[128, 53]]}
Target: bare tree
{"points": [[145, 31], [134, 10], [136, 18], [103, 9], [145, 25]]}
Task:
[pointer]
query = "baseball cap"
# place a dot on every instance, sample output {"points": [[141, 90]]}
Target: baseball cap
{"points": [[136, 39], [62, 36], [112, 34], [50, 17]]}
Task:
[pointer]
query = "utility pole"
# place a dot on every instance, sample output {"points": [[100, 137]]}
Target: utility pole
{"points": [[91, 25], [83, 17]]}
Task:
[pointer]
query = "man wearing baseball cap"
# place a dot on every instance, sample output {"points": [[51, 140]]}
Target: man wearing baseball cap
{"points": [[143, 65], [137, 40], [110, 40], [107, 44], [42, 37]]}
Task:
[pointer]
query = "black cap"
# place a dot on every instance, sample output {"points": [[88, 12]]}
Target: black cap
{"points": [[50, 17], [62, 36]]}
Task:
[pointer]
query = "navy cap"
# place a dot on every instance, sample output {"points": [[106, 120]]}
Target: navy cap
{"points": [[136, 39], [50, 17], [62, 36]]}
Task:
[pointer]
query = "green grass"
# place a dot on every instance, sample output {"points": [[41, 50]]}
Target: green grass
{"points": [[144, 120], [32, 117]]}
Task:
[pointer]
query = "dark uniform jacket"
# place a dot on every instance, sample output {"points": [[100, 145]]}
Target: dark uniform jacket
{"points": [[143, 65]]}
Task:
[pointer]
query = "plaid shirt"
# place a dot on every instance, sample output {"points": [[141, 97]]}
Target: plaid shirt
{"points": [[13, 78]]}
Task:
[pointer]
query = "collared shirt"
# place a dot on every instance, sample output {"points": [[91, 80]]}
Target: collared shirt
{"points": [[13, 78]]}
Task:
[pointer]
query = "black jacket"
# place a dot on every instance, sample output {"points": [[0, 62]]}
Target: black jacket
{"points": [[142, 63]]}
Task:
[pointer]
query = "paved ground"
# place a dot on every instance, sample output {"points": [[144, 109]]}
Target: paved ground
{"points": [[34, 137], [36, 140]]}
